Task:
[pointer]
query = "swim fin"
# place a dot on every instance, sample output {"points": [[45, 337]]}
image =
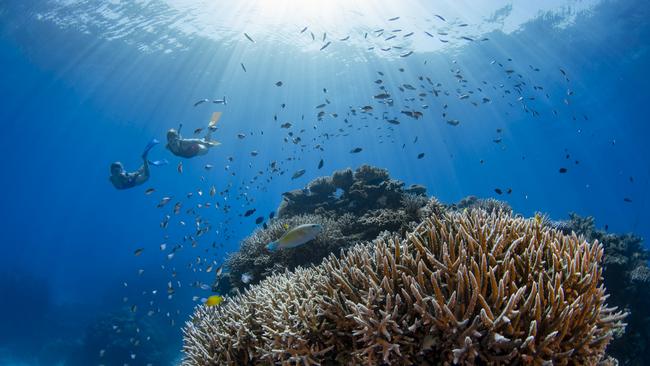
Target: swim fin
{"points": [[159, 162], [150, 145]]}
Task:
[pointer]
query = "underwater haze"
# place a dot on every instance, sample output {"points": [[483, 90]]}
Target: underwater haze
{"points": [[543, 105]]}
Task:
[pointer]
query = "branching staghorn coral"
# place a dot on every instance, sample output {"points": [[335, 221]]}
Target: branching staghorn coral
{"points": [[462, 288], [627, 275]]}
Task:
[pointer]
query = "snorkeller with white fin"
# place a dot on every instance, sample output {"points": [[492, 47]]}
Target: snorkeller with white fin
{"points": [[189, 148]]}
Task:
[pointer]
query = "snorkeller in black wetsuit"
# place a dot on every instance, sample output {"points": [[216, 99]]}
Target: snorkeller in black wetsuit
{"points": [[122, 179]]}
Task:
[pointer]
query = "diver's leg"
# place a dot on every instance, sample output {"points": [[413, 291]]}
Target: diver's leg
{"points": [[143, 173], [202, 149]]}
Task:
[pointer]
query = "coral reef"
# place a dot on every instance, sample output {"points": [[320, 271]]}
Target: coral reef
{"points": [[487, 204], [627, 276], [369, 204], [367, 188], [464, 287], [253, 257]]}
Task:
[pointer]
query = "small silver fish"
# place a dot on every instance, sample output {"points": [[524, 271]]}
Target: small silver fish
{"points": [[298, 174], [164, 201]]}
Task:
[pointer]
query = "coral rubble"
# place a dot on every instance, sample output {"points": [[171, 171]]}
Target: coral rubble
{"points": [[462, 287]]}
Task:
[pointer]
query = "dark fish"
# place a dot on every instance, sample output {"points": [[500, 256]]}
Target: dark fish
{"points": [[279, 83], [628, 200], [271, 214], [391, 37], [409, 53], [467, 38], [382, 96], [320, 163], [149, 191], [303, 30], [439, 17], [320, 106], [298, 174], [325, 45], [498, 190], [408, 34], [563, 170], [249, 212], [259, 220], [393, 19], [344, 39], [420, 155], [243, 67], [356, 150], [393, 121], [249, 37], [201, 102], [428, 34], [453, 122]]}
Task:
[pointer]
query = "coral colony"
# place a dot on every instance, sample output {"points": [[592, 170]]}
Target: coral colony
{"points": [[418, 282], [465, 287]]}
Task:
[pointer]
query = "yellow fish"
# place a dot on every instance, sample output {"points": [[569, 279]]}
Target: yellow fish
{"points": [[213, 300]]}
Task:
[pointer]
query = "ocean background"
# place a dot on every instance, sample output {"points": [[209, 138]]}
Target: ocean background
{"points": [[85, 83]]}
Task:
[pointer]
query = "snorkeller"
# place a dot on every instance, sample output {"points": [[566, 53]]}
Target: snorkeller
{"points": [[122, 179], [189, 148]]}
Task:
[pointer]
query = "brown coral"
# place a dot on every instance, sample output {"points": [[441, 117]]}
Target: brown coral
{"points": [[462, 288]]}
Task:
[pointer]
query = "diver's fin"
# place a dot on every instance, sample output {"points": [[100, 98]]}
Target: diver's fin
{"points": [[212, 143], [159, 162], [224, 100], [214, 119], [150, 145]]}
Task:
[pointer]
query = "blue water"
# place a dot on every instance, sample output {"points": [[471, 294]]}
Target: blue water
{"points": [[77, 94]]}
